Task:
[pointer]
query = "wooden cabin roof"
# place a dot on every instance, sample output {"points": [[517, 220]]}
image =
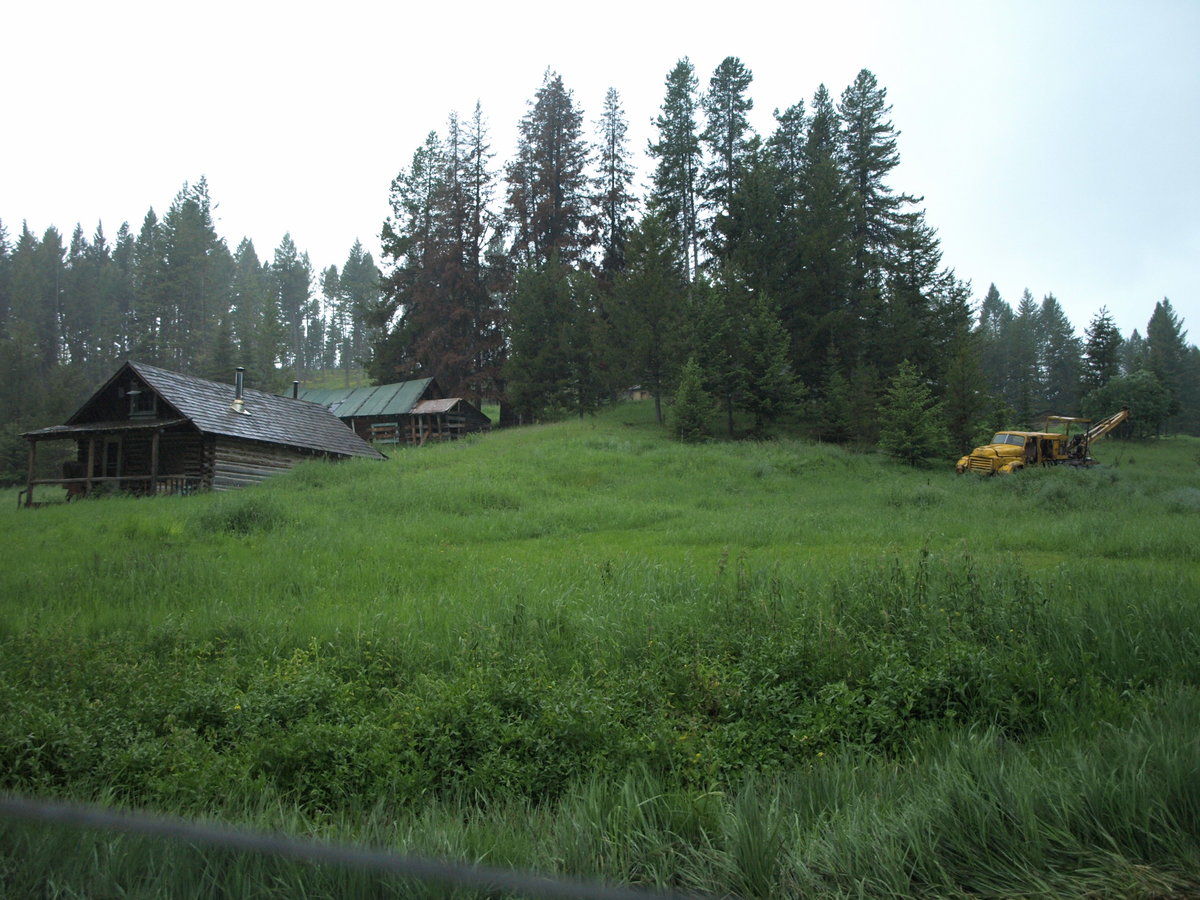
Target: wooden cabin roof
{"points": [[208, 406], [449, 404]]}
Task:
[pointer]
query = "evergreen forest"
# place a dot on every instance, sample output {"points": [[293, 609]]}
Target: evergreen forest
{"points": [[758, 283]]}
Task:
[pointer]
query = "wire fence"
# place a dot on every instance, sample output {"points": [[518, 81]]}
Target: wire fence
{"points": [[384, 862]]}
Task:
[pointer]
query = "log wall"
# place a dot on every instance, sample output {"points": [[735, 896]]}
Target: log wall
{"points": [[236, 464]]}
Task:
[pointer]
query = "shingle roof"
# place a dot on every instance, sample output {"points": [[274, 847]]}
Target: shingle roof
{"points": [[268, 417], [376, 400]]}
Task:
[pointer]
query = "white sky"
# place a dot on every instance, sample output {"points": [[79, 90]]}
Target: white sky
{"points": [[1054, 142]]}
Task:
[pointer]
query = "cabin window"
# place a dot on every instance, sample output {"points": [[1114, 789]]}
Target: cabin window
{"points": [[142, 403]]}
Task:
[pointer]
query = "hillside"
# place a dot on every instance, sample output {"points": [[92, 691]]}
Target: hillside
{"points": [[761, 668]]}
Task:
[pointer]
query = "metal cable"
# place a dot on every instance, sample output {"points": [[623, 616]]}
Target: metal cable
{"points": [[383, 861]]}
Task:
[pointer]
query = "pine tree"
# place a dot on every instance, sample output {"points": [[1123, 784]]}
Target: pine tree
{"points": [[1188, 421], [995, 324], [89, 307], [150, 309], [743, 350], [771, 389], [758, 232], [79, 300], [911, 423], [120, 287], [1166, 345], [439, 317], [110, 265], [614, 197], [292, 277], [869, 154], [33, 322], [646, 309], [337, 334], [555, 360], [718, 335], [590, 380], [823, 324], [966, 401], [360, 296], [693, 406], [5, 275], [674, 191], [730, 142], [848, 408], [863, 409], [257, 334], [832, 419], [196, 273], [484, 270], [906, 324], [548, 199], [1102, 351], [785, 148], [1021, 345], [412, 295], [767, 222], [1135, 354], [1060, 352]]}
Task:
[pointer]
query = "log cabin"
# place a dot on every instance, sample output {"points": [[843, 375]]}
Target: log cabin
{"points": [[151, 431]]}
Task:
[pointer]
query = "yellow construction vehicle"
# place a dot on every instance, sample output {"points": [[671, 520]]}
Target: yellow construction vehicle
{"points": [[1011, 451]]}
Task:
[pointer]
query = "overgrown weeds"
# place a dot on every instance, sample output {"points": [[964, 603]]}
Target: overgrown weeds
{"points": [[764, 669]]}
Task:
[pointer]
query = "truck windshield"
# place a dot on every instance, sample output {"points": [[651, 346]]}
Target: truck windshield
{"points": [[1003, 438]]}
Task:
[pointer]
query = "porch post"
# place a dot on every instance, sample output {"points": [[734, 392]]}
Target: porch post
{"points": [[29, 473], [154, 461], [91, 465]]}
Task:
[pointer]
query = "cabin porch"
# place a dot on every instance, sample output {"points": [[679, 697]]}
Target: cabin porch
{"points": [[144, 459]]}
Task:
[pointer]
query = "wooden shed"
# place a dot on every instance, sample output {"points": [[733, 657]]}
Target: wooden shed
{"points": [[152, 431], [408, 412], [439, 420]]}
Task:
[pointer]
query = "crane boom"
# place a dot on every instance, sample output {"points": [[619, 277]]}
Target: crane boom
{"points": [[1104, 426]]}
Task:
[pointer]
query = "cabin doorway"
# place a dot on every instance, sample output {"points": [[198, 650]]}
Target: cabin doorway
{"points": [[108, 460]]}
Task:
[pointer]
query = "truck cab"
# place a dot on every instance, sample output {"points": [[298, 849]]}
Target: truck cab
{"points": [[1010, 451]]}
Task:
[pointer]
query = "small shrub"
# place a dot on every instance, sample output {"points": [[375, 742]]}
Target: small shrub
{"points": [[923, 497], [693, 406], [243, 513], [317, 473], [1183, 500]]}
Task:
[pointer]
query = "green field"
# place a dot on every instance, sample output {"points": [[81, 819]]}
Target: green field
{"points": [[763, 669]]}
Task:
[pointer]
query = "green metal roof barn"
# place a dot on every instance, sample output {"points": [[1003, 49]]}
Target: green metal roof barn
{"points": [[409, 412]]}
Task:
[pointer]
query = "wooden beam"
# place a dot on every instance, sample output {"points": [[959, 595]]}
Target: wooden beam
{"points": [[154, 461], [30, 472], [91, 464]]}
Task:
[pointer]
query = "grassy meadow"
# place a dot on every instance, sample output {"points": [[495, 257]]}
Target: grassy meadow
{"points": [[765, 669]]}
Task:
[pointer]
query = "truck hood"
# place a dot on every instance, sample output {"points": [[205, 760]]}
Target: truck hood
{"points": [[998, 450]]}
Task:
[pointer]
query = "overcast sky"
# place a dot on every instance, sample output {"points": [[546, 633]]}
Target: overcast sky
{"points": [[1054, 142]]}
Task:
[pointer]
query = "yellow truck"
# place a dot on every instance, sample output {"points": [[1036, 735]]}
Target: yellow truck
{"points": [[1011, 451]]}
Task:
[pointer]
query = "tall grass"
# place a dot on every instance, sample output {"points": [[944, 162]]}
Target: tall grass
{"points": [[765, 669]]}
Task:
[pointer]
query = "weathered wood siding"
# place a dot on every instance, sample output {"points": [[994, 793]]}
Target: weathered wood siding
{"points": [[236, 464], [181, 453]]}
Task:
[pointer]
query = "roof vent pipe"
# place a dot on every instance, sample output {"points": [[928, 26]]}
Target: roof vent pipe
{"points": [[295, 390], [239, 379]]}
